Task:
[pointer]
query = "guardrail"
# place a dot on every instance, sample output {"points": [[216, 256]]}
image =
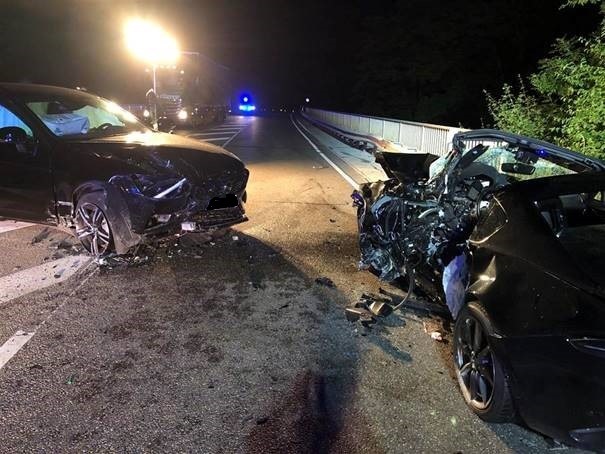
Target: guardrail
{"points": [[405, 135]]}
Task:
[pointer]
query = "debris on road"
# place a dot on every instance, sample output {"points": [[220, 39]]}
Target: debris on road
{"points": [[325, 281], [187, 245], [436, 335], [434, 329], [41, 236], [368, 308]]}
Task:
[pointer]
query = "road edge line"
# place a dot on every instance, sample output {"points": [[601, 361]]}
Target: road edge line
{"points": [[341, 172]]}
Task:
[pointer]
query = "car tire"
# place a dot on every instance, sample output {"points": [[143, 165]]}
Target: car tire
{"points": [[481, 376], [92, 226]]}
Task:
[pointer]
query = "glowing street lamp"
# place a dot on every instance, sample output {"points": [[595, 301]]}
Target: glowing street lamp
{"points": [[150, 43]]}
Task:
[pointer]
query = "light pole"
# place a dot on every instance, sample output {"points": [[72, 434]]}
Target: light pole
{"points": [[151, 44]]}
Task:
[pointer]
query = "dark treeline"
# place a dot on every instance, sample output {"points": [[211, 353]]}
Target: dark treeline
{"points": [[431, 61], [412, 59]]}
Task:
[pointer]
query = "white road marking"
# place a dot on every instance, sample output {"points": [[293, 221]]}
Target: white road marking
{"points": [[206, 133], [32, 279], [233, 137], [12, 346], [213, 139], [7, 226], [346, 177]]}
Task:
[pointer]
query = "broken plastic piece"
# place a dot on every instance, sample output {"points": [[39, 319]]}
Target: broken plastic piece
{"points": [[380, 309], [188, 226], [436, 335]]}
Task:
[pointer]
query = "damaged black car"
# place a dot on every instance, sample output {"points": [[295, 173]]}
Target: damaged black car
{"points": [[508, 232], [74, 160]]}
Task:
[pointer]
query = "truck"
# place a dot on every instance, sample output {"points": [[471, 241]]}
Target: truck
{"points": [[195, 91]]}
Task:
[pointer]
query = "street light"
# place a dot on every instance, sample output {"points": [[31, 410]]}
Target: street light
{"points": [[151, 44]]}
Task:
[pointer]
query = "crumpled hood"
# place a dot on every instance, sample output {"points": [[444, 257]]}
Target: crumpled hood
{"points": [[161, 153], [405, 167]]}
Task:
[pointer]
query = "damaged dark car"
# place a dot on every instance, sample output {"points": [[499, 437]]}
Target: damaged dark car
{"points": [[74, 160], [508, 232]]}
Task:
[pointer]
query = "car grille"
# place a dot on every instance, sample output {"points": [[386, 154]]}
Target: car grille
{"points": [[228, 182]]}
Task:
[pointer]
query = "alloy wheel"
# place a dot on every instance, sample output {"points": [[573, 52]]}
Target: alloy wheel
{"points": [[474, 363], [92, 229]]}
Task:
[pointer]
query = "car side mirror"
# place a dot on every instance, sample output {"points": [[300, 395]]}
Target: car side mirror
{"points": [[15, 136]]}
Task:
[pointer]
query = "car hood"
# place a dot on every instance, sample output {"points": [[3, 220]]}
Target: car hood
{"points": [[161, 153], [405, 167]]}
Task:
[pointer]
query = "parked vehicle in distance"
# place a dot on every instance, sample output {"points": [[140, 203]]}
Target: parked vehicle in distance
{"points": [[75, 160], [509, 233]]}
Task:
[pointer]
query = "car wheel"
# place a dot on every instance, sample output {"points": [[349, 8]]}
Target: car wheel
{"points": [[481, 376], [92, 228]]}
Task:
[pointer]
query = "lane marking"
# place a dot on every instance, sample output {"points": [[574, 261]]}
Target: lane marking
{"points": [[213, 139], [32, 279], [233, 137], [12, 346], [7, 226], [346, 177], [195, 134]]}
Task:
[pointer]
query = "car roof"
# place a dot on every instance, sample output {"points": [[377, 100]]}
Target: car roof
{"points": [[33, 90]]}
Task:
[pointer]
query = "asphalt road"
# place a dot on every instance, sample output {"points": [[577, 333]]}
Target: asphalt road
{"points": [[228, 345]]}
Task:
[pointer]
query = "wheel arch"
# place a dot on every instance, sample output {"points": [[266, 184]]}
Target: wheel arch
{"points": [[111, 201]]}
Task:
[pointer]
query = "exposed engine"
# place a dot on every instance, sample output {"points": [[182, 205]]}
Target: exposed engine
{"points": [[408, 222]]}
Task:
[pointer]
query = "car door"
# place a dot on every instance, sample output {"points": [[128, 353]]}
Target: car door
{"points": [[26, 189]]}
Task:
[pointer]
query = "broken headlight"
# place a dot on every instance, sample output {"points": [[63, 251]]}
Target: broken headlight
{"points": [[156, 187]]}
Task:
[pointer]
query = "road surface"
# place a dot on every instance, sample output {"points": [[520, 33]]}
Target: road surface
{"points": [[228, 345]]}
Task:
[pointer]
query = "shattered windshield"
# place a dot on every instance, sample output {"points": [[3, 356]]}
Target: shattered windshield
{"points": [[83, 115], [510, 163], [518, 165]]}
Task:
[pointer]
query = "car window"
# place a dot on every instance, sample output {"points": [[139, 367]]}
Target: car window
{"points": [[496, 156], [9, 119], [80, 114]]}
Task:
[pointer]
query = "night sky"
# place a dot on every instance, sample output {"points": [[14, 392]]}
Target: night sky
{"points": [[416, 59]]}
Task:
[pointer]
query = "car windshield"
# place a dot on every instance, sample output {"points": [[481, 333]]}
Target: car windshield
{"points": [[513, 162], [517, 165], [83, 115]]}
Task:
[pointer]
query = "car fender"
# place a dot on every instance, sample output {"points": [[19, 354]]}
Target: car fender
{"points": [[111, 200]]}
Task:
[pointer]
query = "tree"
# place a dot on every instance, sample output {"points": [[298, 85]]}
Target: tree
{"points": [[565, 102]]}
